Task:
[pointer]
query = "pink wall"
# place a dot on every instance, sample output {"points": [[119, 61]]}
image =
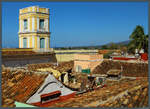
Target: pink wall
{"points": [[81, 57], [87, 60]]}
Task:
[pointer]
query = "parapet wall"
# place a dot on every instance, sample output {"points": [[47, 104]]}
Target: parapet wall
{"points": [[129, 68], [21, 60]]}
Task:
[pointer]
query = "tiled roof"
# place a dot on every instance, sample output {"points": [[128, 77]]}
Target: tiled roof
{"points": [[128, 69], [93, 98], [20, 85], [114, 72], [62, 67]]}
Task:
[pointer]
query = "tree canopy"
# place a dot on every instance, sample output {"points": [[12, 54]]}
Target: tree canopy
{"points": [[138, 40]]}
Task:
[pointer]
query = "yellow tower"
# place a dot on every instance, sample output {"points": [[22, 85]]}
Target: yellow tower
{"points": [[34, 28]]}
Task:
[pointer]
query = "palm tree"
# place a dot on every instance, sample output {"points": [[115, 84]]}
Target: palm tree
{"points": [[138, 40]]}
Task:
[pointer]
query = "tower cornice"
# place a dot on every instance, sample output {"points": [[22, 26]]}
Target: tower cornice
{"points": [[34, 32]]}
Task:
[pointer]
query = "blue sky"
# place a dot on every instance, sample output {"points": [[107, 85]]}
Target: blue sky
{"points": [[79, 23]]}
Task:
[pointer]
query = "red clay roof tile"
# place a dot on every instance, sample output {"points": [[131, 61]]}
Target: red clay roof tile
{"points": [[24, 87]]}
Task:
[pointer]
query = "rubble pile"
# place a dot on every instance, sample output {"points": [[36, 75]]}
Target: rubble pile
{"points": [[19, 85], [129, 69], [61, 67], [96, 97]]}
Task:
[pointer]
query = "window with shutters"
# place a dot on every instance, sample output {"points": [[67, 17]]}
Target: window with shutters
{"points": [[42, 42], [50, 97], [41, 23], [24, 42], [25, 24]]}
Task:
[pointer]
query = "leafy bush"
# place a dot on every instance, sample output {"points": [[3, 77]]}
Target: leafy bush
{"points": [[107, 55]]}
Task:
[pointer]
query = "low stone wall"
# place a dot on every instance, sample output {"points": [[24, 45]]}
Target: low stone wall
{"points": [[129, 68], [75, 51], [68, 55], [64, 57]]}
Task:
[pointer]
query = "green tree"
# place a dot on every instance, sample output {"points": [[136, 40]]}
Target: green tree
{"points": [[113, 46], [123, 48], [104, 47], [138, 40]]}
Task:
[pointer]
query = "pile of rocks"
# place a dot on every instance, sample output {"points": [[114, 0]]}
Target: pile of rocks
{"points": [[129, 69]]}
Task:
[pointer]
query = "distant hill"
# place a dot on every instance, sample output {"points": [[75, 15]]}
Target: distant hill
{"points": [[124, 42], [91, 47], [118, 43]]}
